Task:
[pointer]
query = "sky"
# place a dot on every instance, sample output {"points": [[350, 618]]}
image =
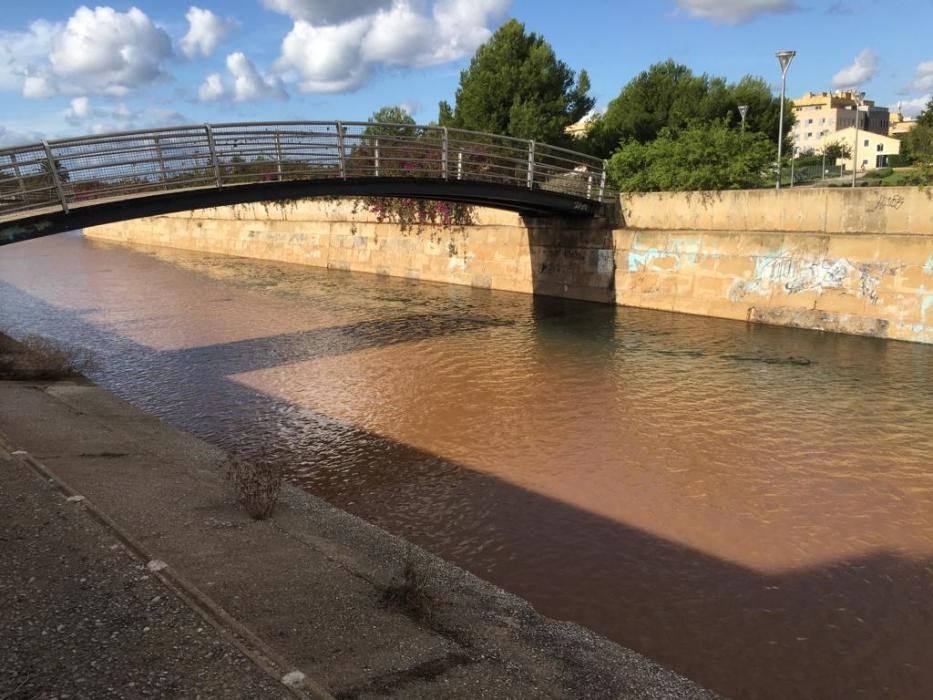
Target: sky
{"points": [[70, 69]]}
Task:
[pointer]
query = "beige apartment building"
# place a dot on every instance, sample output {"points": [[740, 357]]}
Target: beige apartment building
{"points": [[900, 124], [822, 113], [873, 149]]}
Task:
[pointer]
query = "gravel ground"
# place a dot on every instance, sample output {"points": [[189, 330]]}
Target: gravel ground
{"points": [[81, 618]]}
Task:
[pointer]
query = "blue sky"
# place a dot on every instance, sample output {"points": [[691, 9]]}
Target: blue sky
{"points": [[71, 69]]}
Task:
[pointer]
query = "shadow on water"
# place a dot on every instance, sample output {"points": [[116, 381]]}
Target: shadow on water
{"points": [[844, 628]]}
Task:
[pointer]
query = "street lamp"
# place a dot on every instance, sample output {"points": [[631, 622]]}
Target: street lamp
{"points": [[743, 110], [784, 58], [857, 97]]}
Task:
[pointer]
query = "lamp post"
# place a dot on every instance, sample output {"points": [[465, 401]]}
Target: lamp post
{"points": [[857, 96], [784, 58], [743, 111]]}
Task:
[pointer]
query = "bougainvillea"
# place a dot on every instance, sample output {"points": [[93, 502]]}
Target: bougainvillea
{"points": [[417, 214]]}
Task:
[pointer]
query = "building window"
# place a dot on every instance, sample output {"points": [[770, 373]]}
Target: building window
{"points": [[809, 134], [879, 148], [866, 143], [809, 121]]}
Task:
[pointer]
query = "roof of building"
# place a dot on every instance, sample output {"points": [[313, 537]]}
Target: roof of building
{"points": [[849, 134], [838, 99]]}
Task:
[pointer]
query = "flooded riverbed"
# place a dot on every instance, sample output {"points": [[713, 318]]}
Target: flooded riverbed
{"points": [[751, 506]]}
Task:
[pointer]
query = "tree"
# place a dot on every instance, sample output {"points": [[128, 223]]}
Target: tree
{"points": [[926, 116], [919, 140], [516, 86], [669, 95], [393, 121], [918, 143], [702, 156], [837, 150]]}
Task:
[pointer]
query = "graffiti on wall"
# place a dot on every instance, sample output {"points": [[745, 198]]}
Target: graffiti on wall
{"points": [[792, 275], [894, 201]]}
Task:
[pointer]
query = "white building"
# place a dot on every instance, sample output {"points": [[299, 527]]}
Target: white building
{"points": [[871, 151], [819, 114]]}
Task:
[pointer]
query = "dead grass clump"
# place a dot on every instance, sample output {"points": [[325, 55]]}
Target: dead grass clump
{"points": [[257, 482], [35, 357], [408, 592]]}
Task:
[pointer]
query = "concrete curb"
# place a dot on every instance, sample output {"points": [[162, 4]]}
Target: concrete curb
{"points": [[248, 643]]}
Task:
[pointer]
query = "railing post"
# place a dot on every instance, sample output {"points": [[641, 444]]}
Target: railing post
{"points": [[377, 157], [531, 164], [278, 154], [602, 182], [589, 186], [340, 154], [460, 165], [56, 180], [213, 149], [158, 148], [444, 154]]}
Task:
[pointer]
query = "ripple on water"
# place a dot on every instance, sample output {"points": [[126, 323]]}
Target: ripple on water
{"points": [[750, 505]]}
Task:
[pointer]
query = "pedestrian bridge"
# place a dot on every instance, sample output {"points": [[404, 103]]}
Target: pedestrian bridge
{"points": [[61, 185]]}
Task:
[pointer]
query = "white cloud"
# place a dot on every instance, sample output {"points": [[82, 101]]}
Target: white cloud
{"points": [[923, 77], [99, 51], [734, 11], [19, 51], [212, 88], [327, 59], [411, 106], [861, 70], [12, 137], [80, 108], [82, 113], [326, 11], [913, 107], [247, 83], [205, 32], [39, 86], [341, 56]]}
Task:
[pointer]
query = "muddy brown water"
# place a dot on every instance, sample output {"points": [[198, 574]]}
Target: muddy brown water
{"points": [[751, 506]]}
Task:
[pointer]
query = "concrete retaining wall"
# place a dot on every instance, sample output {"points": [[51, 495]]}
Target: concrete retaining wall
{"points": [[836, 259], [870, 210], [869, 284], [569, 258]]}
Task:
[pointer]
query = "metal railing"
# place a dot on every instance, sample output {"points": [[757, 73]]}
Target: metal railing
{"points": [[68, 173]]}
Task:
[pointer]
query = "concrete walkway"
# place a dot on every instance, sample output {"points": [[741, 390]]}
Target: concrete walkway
{"points": [[301, 592], [82, 617]]}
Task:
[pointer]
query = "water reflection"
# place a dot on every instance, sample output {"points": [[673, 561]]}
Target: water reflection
{"points": [[750, 505]]}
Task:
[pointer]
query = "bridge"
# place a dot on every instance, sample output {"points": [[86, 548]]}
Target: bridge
{"points": [[54, 186]]}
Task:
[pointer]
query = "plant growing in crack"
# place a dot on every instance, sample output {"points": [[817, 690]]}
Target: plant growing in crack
{"points": [[257, 483], [408, 590]]}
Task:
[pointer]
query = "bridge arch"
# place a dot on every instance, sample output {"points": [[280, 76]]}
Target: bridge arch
{"points": [[55, 186]]}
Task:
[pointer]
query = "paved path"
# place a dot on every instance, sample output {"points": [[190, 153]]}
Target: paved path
{"points": [[81, 617], [303, 591]]}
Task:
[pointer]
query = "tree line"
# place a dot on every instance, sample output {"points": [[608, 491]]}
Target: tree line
{"points": [[668, 128]]}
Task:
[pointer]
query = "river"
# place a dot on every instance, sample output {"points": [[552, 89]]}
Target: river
{"points": [[749, 505]]}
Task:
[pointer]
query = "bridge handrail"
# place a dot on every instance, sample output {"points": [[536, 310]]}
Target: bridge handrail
{"points": [[62, 173]]}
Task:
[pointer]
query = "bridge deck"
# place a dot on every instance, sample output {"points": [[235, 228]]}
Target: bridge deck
{"points": [[50, 187]]}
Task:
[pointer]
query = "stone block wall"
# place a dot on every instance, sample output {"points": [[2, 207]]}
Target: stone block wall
{"points": [[835, 259], [501, 250], [866, 284], [851, 261]]}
